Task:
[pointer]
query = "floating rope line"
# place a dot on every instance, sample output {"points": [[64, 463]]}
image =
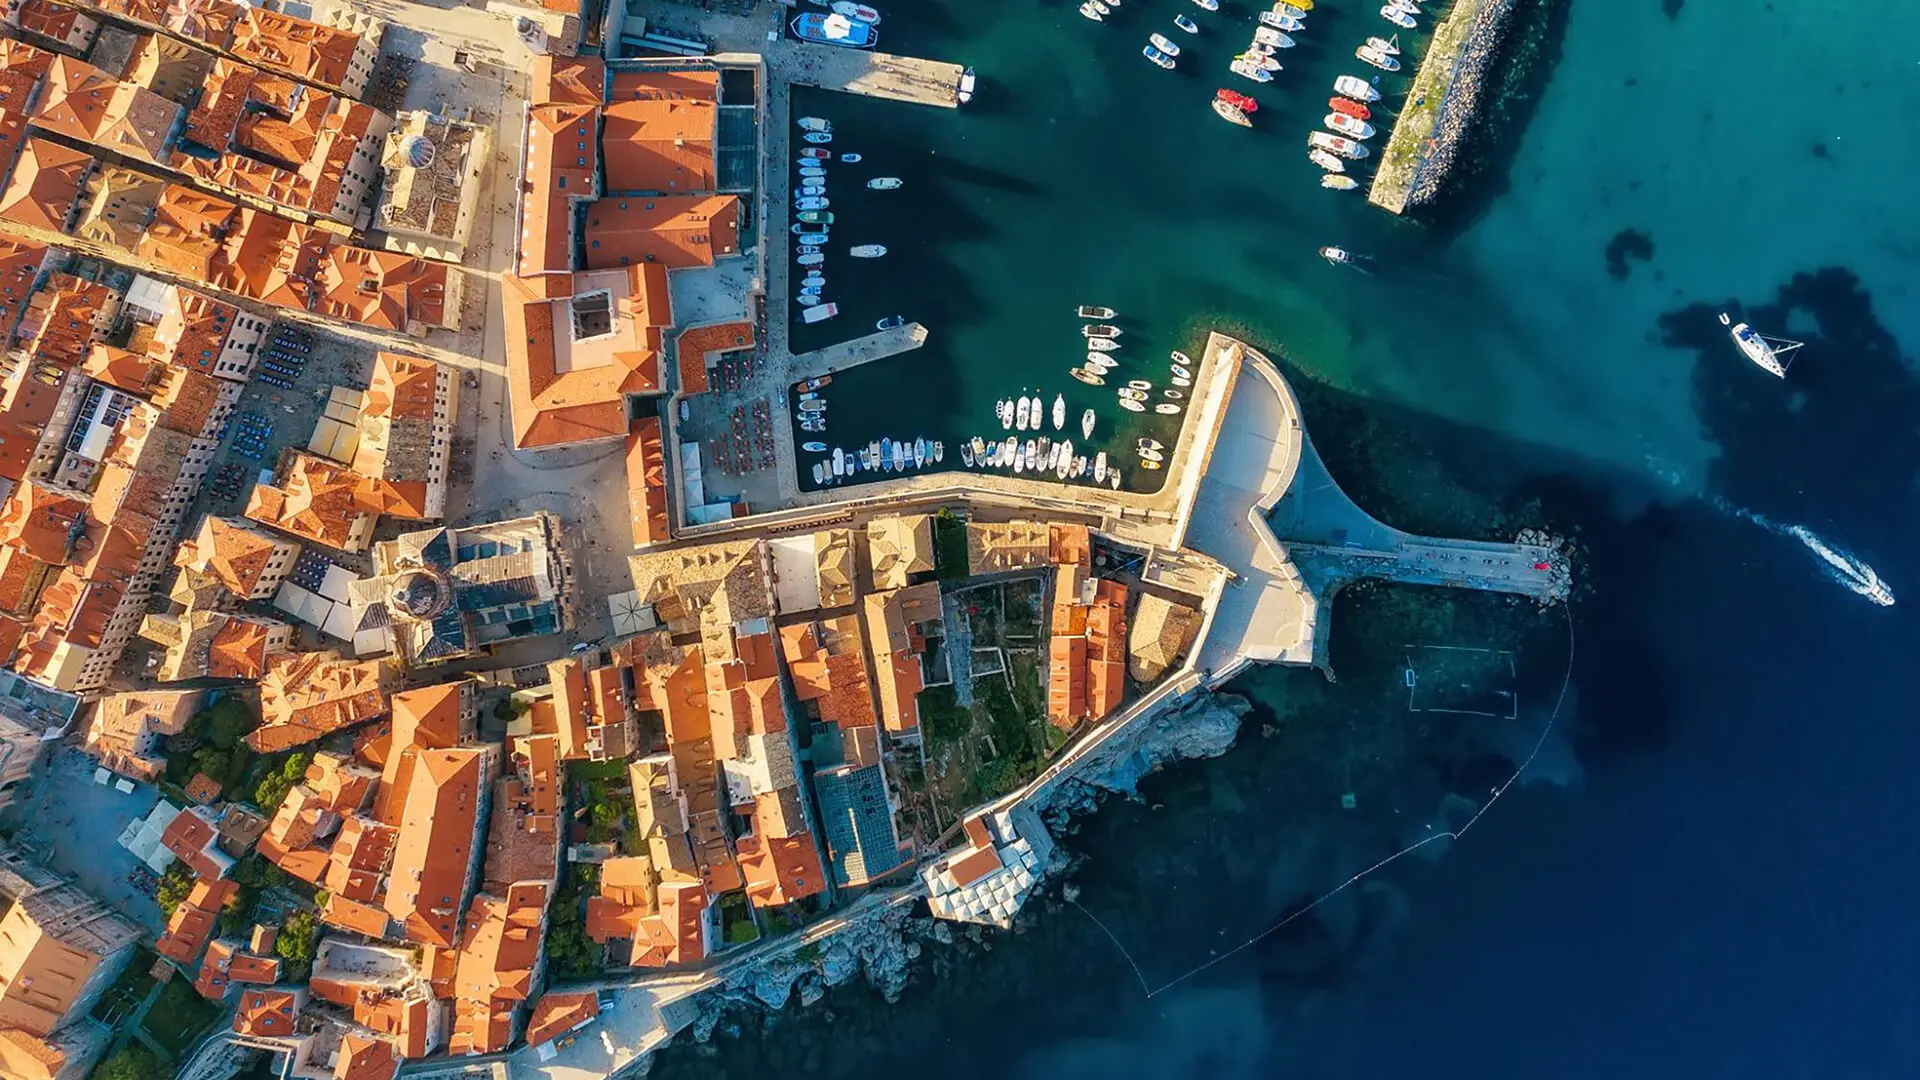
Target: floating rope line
{"points": [[1566, 681]]}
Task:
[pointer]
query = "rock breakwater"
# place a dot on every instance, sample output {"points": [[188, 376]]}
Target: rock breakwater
{"points": [[1458, 108]]}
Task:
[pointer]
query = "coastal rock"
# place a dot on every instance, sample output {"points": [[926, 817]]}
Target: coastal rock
{"points": [[1203, 726], [943, 932]]}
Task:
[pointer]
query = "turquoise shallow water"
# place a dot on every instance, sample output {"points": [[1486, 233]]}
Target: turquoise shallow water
{"points": [[1711, 876]]}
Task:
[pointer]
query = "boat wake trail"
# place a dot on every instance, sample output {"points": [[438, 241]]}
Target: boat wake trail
{"points": [[1843, 566]]}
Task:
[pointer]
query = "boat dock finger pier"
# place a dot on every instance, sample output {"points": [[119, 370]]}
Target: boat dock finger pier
{"points": [[882, 75], [1439, 109]]}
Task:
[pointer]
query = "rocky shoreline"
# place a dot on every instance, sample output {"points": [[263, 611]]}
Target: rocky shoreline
{"points": [[1462, 102], [885, 947]]}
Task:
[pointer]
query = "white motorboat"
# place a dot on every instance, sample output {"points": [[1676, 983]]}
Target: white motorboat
{"points": [[1009, 449], [919, 452], [811, 258], [1260, 57], [1351, 126], [1091, 378], [1338, 183], [814, 447], [811, 190], [1273, 19], [1181, 371], [1051, 460], [849, 158], [979, 448], [1770, 353], [1247, 69], [1101, 331], [1022, 416], [1103, 344], [839, 462], [1268, 36], [939, 451], [1207, 5], [1139, 384], [899, 457], [1335, 144], [867, 251], [1128, 393], [809, 299], [1113, 478], [813, 176], [1385, 46], [1296, 11], [818, 136], [1164, 44], [1101, 6], [1094, 311], [1091, 12], [1167, 408], [1003, 411], [1149, 455], [1159, 58], [1231, 113], [1147, 442], [855, 11], [1172, 395], [1336, 255], [1180, 359], [1131, 405], [819, 473], [1326, 161], [1180, 382], [809, 202], [1059, 411], [1038, 410], [1399, 17], [1065, 464], [813, 123], [1186, 24], [1100, 467], [1292, 24], [1408, 6], [1086, 424], [968, 80], [1101, 362], [819, 313], [810, 239], [1377, 58], [884, 183], [1356, 88], [966, 455]]}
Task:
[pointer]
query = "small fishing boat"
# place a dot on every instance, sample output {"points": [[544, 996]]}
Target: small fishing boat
{"points": [[1086, 424], [1261, 58], [968, 80], [1273, 21], [813, 123], [1385, 46], [1243, 102], [1231, 113], [1334, 144], [867, 251], [1100, 331], [1164, 44], [1065, 465], [1008, 449], [891, 322], [1180, 371], [919, 452], [1770, 353], [1139, 384], [836, 29], [819, 473], [1149, 455], [1131, 405], [1351, 126], [1377, 58], [1249, 69], [1103, 344], [812, 406], [979, 447], [1356, 88], [1158, 57], [1207, 5], [901, 455], [1338, 183], [1326, 161], [1088, 377], [1059, 412], [1051, 460], [852, 10], [1128, 393], [1150, 466], [809, 299], [1350, 107], [1293, 10], [815, 383], [1337, 256], [1181, 382], [1167, 409], [1101, 362], [1184, 23], [1091, 12], [1094, 311], [814, 153], [818, 136], [884, 183], [1271, 38], [1399, 17], [966, 455], [810, 202], [1022, 415], [1100, 467], [938, 452], [815, 447], [1113, 478], [811, 258], [811, 190], [809, 239], [1292, 24], [849, 158], [1147, 442], [817, 314], [1172, 395]]}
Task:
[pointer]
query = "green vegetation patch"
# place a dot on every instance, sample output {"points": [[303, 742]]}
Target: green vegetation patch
{"points": [[571, 954], [949, 547], [132, 1062], [179, 1016], [128, 990], [736, 920], [213, 742], [278, 777]]}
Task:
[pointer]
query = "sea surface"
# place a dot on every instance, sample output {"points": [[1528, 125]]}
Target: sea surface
{"points": [[1707, 869]]}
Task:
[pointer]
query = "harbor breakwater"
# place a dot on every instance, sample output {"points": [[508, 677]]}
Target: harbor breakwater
{"points": [[1442, 105]]}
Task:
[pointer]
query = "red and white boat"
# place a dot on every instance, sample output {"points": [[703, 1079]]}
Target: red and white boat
{"points": [[1351, 126], [1243, 102], [1350, 107]]}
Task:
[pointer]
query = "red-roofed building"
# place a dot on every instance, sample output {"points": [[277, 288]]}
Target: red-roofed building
{"points": [[313, 52], [499, 953], [674, 231], [438, 847], [194, 836], [647, 483], [192, 924], [558, 1013], [268, 1012], [577, 346], [45, 185]]}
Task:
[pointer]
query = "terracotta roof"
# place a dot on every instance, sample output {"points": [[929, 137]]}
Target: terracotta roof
{"points": [[434, 855], [557, 1013], [44, 521], [192, 836], [125, 730], [317, 501], [266, 1012], [397, 451], [661, 140], [561, 168], [299, 47], [341, 784], [89, 106], [779, 858], [363, 1057], [210, 22], [191, 926], [232, 551], [697, 343], [495, 972], [568, 389], [20, 262], [424, 718], [308, 695], [647, 483], [385, 289], [675, 935], [573, 80], [271, 259], [187, 230], [675, 231], [359, 858], [354, 917], [45, 182]]}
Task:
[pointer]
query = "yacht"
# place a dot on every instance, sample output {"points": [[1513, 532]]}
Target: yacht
{"points": [[1231, 113], [1338, 183], [1101, 331], [1102, 344], [1149, 455], [1158, 57], [1039, 412], [1059, 411], [1770, 353], [1009, 449], [884, 183], [867, 251], [1247, 69], [1326, 161], [1351, 126], [1298, 11], [1272, 38], [1094, 311], [1399, 17], [1385, 46], [1356, 88], [839, 462], [1086, 424], [1334, 144], [1100, 467], [968, 80], [1065, 466], [1292, 24], [1377, 58], [854, 10], [1164, 44], [1022, 416]]}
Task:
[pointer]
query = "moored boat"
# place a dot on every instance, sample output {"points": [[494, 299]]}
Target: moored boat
{"points": [[1356, 88], [818, 136], [1338, 183], [1350, 107], [835, 29], [1101, 362], [1157, 57], [891, 322], [1139, 384], [1180, 371], [1167, 408], [822, 312], [1244, 102], [819, 473], [1231, 113], [1022, 415], [1101, 331], [1087, 9], [1086, 424], [966, 455], [1183, 22], [1131, 405], [1769, 353], [1101, 344], [867, 251], [1248, 69], [939, 451], [1385, 46], [814, 153], [919, 452], [815, 383], [1326, 161], [853, 10], [811, 258], [1260, 56], [814, 447], [1059, 411], [1207, 5], [884, 183], [1088, 377], [968, 80], [813, 123], [810, 202], [1094, 311], [1273, 22], [1335, 144], [1164, 44], [900, 457], [1100, 467], [1351, 126], [849, 158], [979, 448], [1399, 17], [1377, 58]]}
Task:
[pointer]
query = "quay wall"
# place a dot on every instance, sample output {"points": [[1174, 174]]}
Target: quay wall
{"points": [[1440, 108]]}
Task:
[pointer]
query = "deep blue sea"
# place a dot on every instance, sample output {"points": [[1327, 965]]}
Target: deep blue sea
{"points": [[1709, 871]]}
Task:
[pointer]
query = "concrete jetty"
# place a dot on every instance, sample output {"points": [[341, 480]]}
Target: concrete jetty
{"points": [[864, 350], [883, 75], [1440, 106]]}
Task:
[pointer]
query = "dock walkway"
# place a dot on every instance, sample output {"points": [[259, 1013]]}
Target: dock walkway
{"points": [[881, 75]]}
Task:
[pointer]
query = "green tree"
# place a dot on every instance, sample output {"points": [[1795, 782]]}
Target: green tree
{"points": [[273, 787], [132, 1062], [297, 938], [227, 721], [174, 886]]}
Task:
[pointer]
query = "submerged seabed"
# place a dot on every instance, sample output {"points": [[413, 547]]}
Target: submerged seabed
{"points": [[1733, 851]]}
